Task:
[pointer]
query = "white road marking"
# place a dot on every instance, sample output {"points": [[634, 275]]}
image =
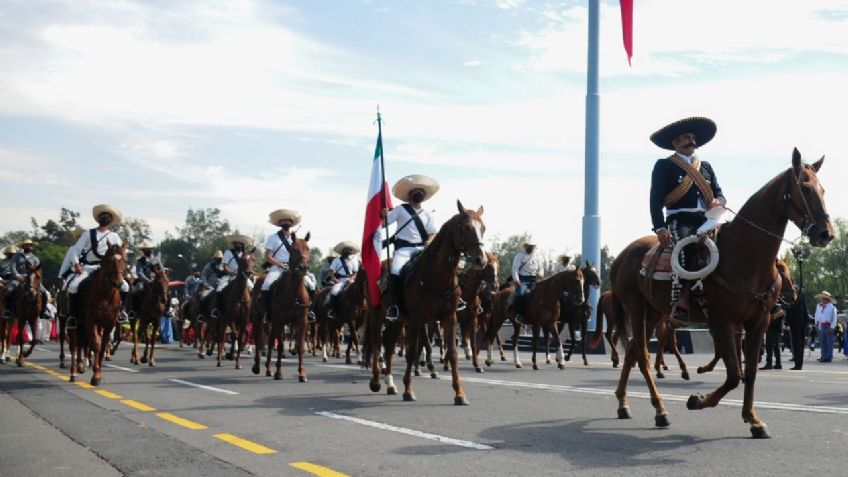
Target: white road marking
{"points": [[830, 382], [410, 432], [202, 386], [129, 370], [51, 351]]}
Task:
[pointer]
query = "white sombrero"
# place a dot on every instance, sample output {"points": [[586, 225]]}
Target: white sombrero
{"points": [[10, 250], [240, 238], [530, 242], [218, 254], [115, 213], [27, 242], [346, 244], [824, 294], [406, 185], [146, 245], [281, 214]]}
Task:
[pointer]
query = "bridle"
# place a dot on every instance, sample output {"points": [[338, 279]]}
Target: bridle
{"points": [[808, 217]]}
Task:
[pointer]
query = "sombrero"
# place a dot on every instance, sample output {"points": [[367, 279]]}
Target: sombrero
{"points": [[146, 245], [27, 242], [824, 294], [530, 242], [75, 234], [240, 238], [564, 255], [406, 185], [704, 130], [99, 209], [346, 244], [280, 214], [218, 254], [10, 250]]}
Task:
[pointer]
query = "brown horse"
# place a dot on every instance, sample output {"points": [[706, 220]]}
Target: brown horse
{"points": [[26, 309], [153, 301], [740, 292], [381, 340], [607, 311], [99, 302], [236, 313], [576, 315], [351, 310], [478, 286], [290, 302]]}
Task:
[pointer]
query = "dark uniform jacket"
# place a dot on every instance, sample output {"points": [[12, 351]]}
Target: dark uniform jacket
{"points": [[664, 179]]}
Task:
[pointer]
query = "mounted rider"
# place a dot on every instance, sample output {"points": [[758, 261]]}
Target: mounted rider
{"points": [[20, 265], [342, 271], [89, 251], [209, 278], [144, 272], [416, 229], [6, 263], [563, 264], [65, 270], [193, 282], [527, 268], [326, 275], [238, 247], [277, 252], [687, 187]]}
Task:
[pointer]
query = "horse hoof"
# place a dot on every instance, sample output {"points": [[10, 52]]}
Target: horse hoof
{"points": [[201, 355], [268, 373], [701, 370], [238, 366], [568, 358], [255, 369], [143, 359], [446, 367], [519, 366], [660, 375], [20, 364], [228, 356], [62, 366], [488, 363], [325, 360], [152, 364], [585, 363], [95, 381], [302, 379], [218, 365], [107, 358], [561, 366], [417, 372], [685, 375], [460, 401], [615, 364], [503, 358], [694, 402], [391, 391], [479, 370], [434, 375], [408, 397], [375, 387], [665, 367], [348, 361], [624, 413], [535, 367], [759, 432], [73, 379], [278, 376], [662, 421], [547, 361], [441, 360]]}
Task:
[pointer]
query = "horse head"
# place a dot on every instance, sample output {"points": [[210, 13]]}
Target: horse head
{"points": [[33, 282], [804, 201], [469, 237], [114, 263], [591, 276], [160, 283], [299, 256], [245, 262], [788, 294], [572, 286]]}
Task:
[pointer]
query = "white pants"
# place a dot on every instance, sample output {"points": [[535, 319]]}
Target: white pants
{"points": [[338, 286], [225, 280], [403, 255], [205, 292], [73, 286], [274, 274]]}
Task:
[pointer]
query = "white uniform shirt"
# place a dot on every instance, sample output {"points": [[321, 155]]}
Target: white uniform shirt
{"points": [[352, 266], [826, 313], [231, 261], [527, 265], [560, 267], [410, 233], [83, 245], [275, 245]]}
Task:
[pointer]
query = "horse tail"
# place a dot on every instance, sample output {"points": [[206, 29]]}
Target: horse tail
{"points": [[603, 308], [619, 318]]}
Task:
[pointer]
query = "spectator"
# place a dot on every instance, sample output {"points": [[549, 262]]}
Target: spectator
{"points": [[826, 322]]}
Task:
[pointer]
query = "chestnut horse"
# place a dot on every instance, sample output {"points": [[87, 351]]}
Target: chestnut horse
{"points": [[607, 311], [576, 315], [352, 310], [740, 292], [27, 308], [99, 302], [236, 312], [290, 302], [478, 286], [153, 303]]}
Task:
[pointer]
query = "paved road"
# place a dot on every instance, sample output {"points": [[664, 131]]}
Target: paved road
{"points": [[187, 417]]}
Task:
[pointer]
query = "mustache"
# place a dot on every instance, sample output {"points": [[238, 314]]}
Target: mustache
{"points": [[690, 144]]}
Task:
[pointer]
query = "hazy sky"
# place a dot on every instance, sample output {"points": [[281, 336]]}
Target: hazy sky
{"points": [[250, 106]]}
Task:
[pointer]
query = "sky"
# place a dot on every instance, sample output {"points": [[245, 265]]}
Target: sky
{"points": [[250, 106]]}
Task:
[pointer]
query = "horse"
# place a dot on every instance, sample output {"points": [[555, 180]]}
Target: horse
{"points": [[153, 301], [607, 311], [352, 310], [576, 315], [477, 286], [290, 303], [381, 340], [27, 308], [236, 313], [98, 305], [740, 292]]}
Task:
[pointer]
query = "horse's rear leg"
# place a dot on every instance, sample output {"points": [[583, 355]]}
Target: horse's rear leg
{"points": [[752, 350], [584, 325], [300, 334], [684, 373], [559, 351], [459, 398], [546, 340], [413, 333], [612, 339], [61, 333], [725, 345], [535, 345], [515, 335]]}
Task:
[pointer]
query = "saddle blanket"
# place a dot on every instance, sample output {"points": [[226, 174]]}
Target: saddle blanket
{"points": [[657, 260]]}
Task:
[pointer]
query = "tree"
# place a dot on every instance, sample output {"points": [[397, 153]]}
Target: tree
{"points": [[203, 226], [824, 268], [316, 261], [59, 232], [135, 232], [177, 255]]}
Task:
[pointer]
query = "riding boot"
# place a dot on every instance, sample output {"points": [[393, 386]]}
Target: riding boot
{"points": [[518, 306], [392, 313], [265, 297], [219, 306], [122, 316], [331, 309], [73, 312], [680, 310]]}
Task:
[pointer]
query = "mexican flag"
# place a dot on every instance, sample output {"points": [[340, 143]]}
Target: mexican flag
{"points": [[372, 239]]}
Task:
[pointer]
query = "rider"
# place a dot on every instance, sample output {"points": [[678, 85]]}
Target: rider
{"points": [[277, 251], [192, 283], [65, 270], [21, 262], [6, 263], [89, 251], [144, 273], [526, 269], [238, 247], [210, 276], [326, 275], [416, 229], [563, 264], [342, 270], [687, 187]]}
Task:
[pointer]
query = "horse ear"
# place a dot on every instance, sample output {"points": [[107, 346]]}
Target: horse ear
{"points": [[480, 211], [460, 207], [308, 236], [796, 159], [817, 165]]}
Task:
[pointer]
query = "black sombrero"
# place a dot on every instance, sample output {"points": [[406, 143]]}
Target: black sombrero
{"points": [[704, 130]]}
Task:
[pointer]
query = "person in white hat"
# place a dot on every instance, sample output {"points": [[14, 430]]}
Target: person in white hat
{"points": [[21, 262], [563, 263], [826, 322], [527, 268], [277, 250], [89, 251], [144, 273], [209, 278], [416, 228], [343, 270], [65, 270], [238, 247], [6, 263]]}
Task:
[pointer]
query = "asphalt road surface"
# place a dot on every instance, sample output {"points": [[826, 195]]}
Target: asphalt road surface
{"points": [[186, 417]]}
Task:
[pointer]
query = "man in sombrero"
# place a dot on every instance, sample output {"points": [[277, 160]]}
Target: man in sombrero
{"points": [[144, 273], [238, 247], [21, 262], [826, 323], [277, 250], [342, 271], [527, 268], [415, 228], [687, 188], [88, 253]]}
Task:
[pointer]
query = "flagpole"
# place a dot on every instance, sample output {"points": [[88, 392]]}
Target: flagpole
{"points": [[383, 199], [591, 248]]}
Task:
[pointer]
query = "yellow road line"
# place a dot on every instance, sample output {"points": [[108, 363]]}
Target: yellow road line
{"points": [[181, 422], [245, 444], [316, 469], [84, 385], [51, 372], [62, 377], [108, 394], [137, 405]]}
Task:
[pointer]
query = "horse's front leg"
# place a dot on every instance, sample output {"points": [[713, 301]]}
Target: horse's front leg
{"points": [[473, 344], [659, 363], [516, 332], [612, 339], [300, 333], [413, 333], [536, 345], [450, 330], [20, 358], [584, 328], [554, 331], [96, 340], [61, 326], [725, 345], [684, 373], [752, 350], [644, 362], [136, 325]]}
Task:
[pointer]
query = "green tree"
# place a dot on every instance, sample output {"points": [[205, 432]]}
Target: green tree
{"points": [[177, 255], [203, 226], [134, 231], [316, 261], [825, 268]]}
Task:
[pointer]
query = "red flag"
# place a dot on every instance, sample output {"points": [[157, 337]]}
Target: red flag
{"points": [[372, 239], [627, 27]]}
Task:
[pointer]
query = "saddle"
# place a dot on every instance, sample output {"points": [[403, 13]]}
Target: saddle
{"points": [[656, 263]]}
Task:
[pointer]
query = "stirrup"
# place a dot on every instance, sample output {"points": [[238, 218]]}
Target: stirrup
{"points": [[7, 314], [71, 323], [392, 313], [331, 314], [266, 317], [310, 317], [215, 314], [200, 319], [461, 305], [123, 317]]}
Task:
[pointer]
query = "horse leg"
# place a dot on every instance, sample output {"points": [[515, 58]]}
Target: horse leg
{"points": [[61, 333], [459, 398], [573, 337], [725, 345], [390, 340], [752, 350], [300, 333], [659, 363], [559, 351], [412, 345], [97, 345], [644, 361], [20, 359], [684, 373], [515, 334], [535, 345], [546, 340], [612, 339], [584, 327], [134, 354], [474, 344], [151, 360]]}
